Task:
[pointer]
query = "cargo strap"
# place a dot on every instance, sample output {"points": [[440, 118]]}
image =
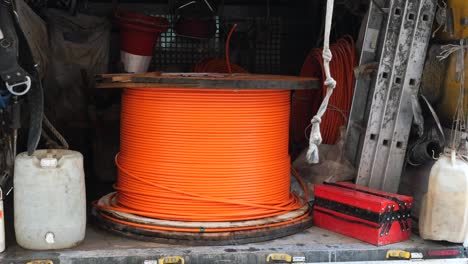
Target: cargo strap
{"points": [[17, 80], [20, 79], [384, 220]]}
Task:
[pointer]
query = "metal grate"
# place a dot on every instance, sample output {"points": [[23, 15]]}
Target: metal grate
{"points": [[174, 53], [268, 49], [180, 53]]}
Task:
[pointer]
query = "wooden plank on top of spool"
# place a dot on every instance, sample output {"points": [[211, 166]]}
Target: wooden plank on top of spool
{"points": [[206, 80]]}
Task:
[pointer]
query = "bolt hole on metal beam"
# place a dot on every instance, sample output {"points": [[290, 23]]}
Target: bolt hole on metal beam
{"points": [[397, 11], [385, 142]]}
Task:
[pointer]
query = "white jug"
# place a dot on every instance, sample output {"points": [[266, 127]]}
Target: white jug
{"points": [[444, 214], [49, 199]]}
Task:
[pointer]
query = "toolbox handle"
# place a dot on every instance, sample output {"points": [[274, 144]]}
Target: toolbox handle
{"points": [[396, 200]]}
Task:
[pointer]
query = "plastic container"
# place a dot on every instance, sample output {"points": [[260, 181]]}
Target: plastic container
{"points": [[49, 199], [444, 214]]}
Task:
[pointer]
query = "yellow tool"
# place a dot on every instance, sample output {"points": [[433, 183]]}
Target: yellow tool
{"points": [[171, 260], [279, 257], [400, 254], [40, 262]]}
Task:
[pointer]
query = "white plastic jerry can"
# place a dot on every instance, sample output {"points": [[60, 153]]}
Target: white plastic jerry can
{"points": [[444, 214], [49, 199]]}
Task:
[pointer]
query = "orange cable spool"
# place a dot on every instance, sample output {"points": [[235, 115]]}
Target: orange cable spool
{"points": [[204, 155]]}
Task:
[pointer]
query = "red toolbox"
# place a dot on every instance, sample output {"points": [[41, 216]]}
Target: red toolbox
{"points": [[373, 216]]}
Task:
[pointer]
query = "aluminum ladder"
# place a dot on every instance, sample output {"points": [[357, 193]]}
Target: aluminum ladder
{"points": [[396, 36]]}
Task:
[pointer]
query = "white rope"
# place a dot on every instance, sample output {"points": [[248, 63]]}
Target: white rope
{"points": [[447, 50], [441, 17], [315, 138], [459, 118]]}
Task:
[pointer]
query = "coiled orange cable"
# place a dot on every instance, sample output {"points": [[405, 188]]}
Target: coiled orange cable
{"points": [[218, 65], [308, 102], [205, 155]]}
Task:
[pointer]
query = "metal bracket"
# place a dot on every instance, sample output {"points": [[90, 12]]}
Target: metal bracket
{"points": [[387, 221], [11, 87], [464, 21]]}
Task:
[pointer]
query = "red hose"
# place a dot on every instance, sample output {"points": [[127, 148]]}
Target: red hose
{"points": [[217, 66], [228, 41], [306, 103], [220, 65]]}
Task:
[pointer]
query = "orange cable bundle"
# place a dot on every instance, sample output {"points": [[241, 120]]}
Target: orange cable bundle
{"points": [[342, 69], [205, 155]]}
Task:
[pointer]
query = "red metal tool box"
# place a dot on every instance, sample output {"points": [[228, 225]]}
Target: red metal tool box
{"points": [[373, 216]]}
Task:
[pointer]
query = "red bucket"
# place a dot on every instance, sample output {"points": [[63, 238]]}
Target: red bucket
{"points": [[139, 34], [195, 28]]}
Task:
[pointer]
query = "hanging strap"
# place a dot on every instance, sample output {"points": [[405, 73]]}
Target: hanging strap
{"points": [[17, 80]]}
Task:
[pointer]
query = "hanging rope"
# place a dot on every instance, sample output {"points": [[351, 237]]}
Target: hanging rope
{"points": [[342, 68], [459, 117], [315, 136]]}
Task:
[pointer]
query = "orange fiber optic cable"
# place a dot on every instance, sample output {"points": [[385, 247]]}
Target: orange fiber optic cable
{"points": [[205, 155]]}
